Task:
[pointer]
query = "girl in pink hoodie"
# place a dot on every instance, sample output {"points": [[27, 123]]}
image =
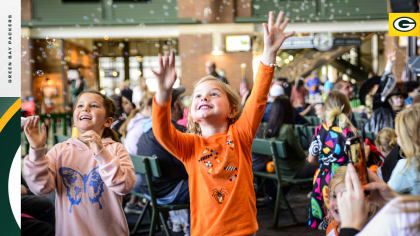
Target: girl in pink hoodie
{"points": [[89, 174]]}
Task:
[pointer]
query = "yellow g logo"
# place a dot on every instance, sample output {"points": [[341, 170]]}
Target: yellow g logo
{"points": [[404, 24]]}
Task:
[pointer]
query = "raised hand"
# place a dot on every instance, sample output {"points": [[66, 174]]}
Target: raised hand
{"points": [[352, 205], [36, 138], [93, 140], [166, 77], [274, 36]]}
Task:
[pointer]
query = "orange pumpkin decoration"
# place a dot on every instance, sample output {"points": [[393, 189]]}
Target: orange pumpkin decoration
{"points": [[270, 167]]}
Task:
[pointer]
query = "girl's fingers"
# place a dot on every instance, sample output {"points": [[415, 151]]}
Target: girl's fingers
{"points": [[172, 59], [357, 186], [348, 181], [155, 73], [284, 24], [270, 19], [166, 60], [279, 18], [373, 177], [289, 35], [44, 129], [265, 28], [160, 62]]}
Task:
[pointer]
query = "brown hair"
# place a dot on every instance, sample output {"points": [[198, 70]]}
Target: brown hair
{"points": [[338, 85], [386, 139], [110, 110], [337, 108], [146, 101], [408, 130], [234, 101]]}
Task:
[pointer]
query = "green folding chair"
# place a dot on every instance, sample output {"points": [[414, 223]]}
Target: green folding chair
{"points": [[283, 175], [149, 166]]}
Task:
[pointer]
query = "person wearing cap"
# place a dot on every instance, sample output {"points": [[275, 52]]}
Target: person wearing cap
{"points": [[384, 116], [275, 91]]}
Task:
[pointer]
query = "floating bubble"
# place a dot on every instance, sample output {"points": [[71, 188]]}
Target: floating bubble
{"points": [[85, 17], [256, 7], [152, 12], [357, 9], [165, 7], [96, 20], [39, 72], [131, 6], [166, 13], [114, 5]]}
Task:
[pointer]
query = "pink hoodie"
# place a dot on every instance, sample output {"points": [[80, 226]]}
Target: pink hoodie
{"points": [[88, 188]]}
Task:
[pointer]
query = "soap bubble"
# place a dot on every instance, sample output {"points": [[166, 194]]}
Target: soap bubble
{"points": [[39, 72]]}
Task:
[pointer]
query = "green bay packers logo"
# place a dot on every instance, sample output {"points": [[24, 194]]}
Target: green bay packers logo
{"points": [[404, 24]]}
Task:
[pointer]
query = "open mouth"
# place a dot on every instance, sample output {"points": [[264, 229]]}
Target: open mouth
{"points": [[204, 107], [85, 117]]}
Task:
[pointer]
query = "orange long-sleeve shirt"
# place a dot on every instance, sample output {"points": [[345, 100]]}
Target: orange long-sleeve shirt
{"points": [[222, 197]]}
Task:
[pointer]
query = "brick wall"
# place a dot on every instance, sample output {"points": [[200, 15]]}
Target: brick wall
{"points": [[195, 50]]}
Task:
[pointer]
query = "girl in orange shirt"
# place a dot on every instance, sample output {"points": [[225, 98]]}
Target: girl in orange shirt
{"points": [[217, 151]]}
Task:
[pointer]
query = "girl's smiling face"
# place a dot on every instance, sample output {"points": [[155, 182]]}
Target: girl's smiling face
{"points": [[90, 114], [210, 103], [333, 201]]}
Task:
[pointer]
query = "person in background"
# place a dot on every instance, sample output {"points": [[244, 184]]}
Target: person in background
{"points": [[328, 86], [405, 177], [140, 91], [327, 152], [211, 70], [411, 88], [127, 106], [76, 87], [312, 85], [298, 94], [172, 186], [132, 128]]}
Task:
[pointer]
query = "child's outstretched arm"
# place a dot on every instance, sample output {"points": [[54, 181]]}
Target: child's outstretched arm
{"points": [[39, 169], [274, 36], [177, 143]]}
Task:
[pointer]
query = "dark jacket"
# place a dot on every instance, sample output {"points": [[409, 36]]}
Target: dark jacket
{"points": [[172, 169], [381, 118], [390, 163]]}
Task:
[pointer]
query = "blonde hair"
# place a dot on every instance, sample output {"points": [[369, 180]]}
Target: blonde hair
{"points": [[386, 139], [337, 108], [408, 130], [234, 102], [146, 101], [338, 177]]}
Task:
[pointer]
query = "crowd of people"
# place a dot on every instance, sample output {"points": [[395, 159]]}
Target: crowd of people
{"points": [[204, 153]]}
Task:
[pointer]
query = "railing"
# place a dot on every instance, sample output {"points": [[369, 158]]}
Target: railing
{"points": [[55, 122]]}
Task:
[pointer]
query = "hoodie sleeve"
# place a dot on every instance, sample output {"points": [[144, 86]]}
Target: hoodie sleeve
{"points": [[116, 168], [40, 171]]}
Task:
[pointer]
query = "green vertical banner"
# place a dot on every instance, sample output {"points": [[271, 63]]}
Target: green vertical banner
{"points": [[10, 103]]}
